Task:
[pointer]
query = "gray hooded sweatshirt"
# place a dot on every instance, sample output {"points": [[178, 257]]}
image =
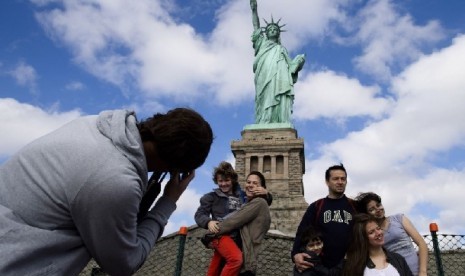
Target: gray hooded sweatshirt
{"points": [[74, 194]]}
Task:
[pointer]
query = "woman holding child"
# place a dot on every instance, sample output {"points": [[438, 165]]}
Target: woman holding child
{"points": [[253, 220], [215, 207]]}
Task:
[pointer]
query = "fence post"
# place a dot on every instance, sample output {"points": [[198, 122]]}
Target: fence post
{"points": [[182, 241], [433, 228]]}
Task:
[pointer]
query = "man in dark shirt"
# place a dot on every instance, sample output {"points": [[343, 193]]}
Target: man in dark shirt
{"points": [[332, 216]]}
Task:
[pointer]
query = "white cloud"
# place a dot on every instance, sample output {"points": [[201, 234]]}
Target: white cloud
{"points": [[25, 75], [327, 94], [168, 58], [21, 123], [431, 96], [162, 57], [186, 207], [391, 40]]}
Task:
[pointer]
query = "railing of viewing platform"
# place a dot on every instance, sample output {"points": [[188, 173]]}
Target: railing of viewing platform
{"points": [[184, 254]]}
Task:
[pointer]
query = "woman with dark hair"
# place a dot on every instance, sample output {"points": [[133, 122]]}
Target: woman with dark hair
{"points": [[398, 233], [215, 207], [366, 255], [253, 219]]}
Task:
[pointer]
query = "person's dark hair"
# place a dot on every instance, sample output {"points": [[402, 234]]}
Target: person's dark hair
{"points": [[310, 234], [362, 200], [357, 253], [260, 175], [226, 170], [339, 167], [182, 137]]}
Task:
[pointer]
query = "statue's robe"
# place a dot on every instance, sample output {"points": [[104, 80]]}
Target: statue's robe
{"points": [[274, 81]]}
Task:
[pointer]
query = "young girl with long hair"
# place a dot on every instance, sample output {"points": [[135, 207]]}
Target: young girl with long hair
{"points": [[366, 255]]}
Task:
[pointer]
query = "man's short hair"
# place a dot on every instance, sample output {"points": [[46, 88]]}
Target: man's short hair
{"points": [[339, 167], [182, 138]]}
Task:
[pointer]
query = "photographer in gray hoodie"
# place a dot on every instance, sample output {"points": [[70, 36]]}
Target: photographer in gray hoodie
{"points": [[82, 191]]}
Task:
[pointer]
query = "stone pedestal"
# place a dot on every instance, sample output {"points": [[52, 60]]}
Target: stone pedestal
{"points": [[279, 154]]}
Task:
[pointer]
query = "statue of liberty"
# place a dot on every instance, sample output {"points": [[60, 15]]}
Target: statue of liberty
{"points": [[275, 72]]}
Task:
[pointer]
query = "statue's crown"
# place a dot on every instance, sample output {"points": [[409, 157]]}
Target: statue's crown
{"points": [[272, 23]]}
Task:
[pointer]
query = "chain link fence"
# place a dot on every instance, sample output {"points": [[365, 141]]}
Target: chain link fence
{"points": [[193, 258], [451, 254]]}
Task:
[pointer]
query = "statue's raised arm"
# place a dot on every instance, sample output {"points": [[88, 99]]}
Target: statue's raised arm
{"points": [[275, 72], [255, 19]]}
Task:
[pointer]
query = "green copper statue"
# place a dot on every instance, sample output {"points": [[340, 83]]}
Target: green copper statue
{"points": [[275, 72]]}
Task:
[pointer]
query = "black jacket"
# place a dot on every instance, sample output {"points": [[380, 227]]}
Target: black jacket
{"points": [[397, 261]]}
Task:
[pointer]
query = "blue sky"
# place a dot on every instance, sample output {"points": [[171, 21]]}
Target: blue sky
{"points": [[382, 89]]}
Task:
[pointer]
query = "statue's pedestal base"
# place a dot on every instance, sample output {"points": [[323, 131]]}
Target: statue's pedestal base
{"points": [[278, 153], [268, 126]]}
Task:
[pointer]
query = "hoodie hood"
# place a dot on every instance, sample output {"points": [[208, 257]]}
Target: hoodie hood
{"points": [[120, 127]]}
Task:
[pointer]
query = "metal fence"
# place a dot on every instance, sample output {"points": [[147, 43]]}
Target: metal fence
{"points": [[180, 254], [447, 254]]}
